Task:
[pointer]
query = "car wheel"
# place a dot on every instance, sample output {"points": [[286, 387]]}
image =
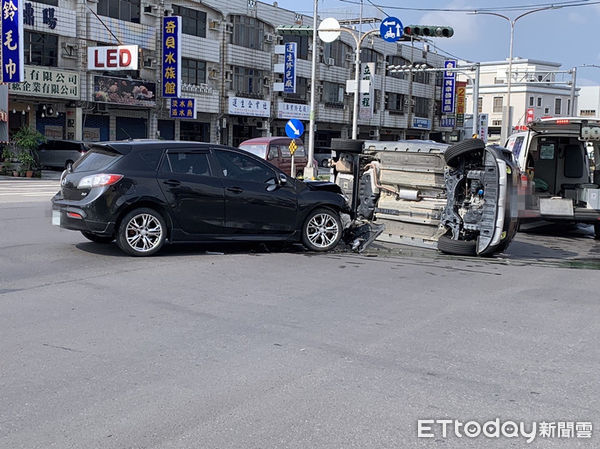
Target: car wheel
{"points": [[322, 230], [454, 152], [97, 238], [347, 145], [457, 247], [325, 163], [69, 166], [142, 232]]}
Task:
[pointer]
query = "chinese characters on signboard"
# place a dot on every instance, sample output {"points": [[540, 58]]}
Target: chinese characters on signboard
{"points": [[447, 122], [12, 41], [183, 108], [171, 67], [365, 110], [41, 81], [483, 127], [448, 87], [293, 110], [249, 106], [461, 88], [421, 123], [48, 16], [289, 69]]}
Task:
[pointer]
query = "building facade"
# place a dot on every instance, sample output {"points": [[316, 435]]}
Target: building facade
{"points": [[228, 65], [539, 86], [588, 104]]}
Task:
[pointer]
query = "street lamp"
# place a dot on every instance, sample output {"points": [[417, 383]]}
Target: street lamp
{"points": [[507, 119], [329, 31]]}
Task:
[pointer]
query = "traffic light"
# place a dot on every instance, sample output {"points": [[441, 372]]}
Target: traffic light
{"points": [[428, 31]]}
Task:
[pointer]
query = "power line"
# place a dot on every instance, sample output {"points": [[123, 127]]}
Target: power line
{"points": [[556, 5]]}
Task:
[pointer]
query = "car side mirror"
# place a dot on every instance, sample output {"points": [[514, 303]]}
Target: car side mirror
{"points": [[282, 179], [271, 185]]}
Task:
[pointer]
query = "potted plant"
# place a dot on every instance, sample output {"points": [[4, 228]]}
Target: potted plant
{"points": [[26, 140], [27, 163]]}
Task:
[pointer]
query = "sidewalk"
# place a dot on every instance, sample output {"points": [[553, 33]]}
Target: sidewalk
{"points": [[47, 175]]}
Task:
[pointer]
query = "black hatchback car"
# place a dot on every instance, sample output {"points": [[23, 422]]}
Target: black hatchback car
{"points": [[144, 193]]}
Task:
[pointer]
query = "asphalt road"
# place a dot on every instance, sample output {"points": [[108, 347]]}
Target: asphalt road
{"points": [[242, 347]]}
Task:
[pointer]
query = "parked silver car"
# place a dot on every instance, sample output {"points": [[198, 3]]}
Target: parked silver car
{"points": [[60, 153]]}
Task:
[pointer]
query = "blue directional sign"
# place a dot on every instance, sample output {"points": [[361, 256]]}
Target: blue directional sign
{"points": [[448, 86], [391, 29], [294, 128]]}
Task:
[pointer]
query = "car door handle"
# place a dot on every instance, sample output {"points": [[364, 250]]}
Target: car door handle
{"points": [[235, 189], [172, 182]]}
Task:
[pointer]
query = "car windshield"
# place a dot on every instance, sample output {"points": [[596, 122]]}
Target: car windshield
{"points": [[96, 159], [259, 150]]}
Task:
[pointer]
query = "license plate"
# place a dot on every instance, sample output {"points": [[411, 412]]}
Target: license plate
{"points": [[56, 217], [556, 207]]}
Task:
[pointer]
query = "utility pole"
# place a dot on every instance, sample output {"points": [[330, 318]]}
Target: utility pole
{"points": [[310, 170]]}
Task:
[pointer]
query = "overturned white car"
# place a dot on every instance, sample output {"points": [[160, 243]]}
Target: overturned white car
{"points": [[460, 199]]}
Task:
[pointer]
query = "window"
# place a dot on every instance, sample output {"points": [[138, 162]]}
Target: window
{"points": [[301, 44], [397, 61], [539, 102], [333, 94], [41, 49], [370, 55], [497, 104], [421, 107], [518, 146], [192, 21], [128, 10], [546, 110], [247, 81], [569, 107], [557, 106], [187, 164], [480, 105], [301, 90], [95, 159], [242, 168], [193, 71], [531, 101], [394, 102], [421, 77], [285, 151], [248, 32], [337, 51]]}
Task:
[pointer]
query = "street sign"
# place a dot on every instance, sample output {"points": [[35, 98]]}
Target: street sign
{"points": [[449, 84], [294, 128], [289, 70], [329, 30], [391, 29], [293, 147]]}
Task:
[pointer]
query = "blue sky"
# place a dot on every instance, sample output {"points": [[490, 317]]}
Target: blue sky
{"points": [[569, 36]]}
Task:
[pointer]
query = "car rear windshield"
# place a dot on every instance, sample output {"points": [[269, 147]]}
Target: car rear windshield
{"points": [[257, 150], [95, 159]]}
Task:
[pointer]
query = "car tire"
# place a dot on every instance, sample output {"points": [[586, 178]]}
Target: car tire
{"points": [[347, 145], [457, 247], [97, 238], [322, 230], [325, 163], [131, 237], [453, 153]]}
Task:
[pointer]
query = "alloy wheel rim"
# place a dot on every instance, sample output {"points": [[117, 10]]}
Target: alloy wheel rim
{"points": [[143, 233], [322, 230]]}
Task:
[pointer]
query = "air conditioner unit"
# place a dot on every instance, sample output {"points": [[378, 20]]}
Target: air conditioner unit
{"points": [[269, 38], [168, 12], [149, 63], [101, 107], [150, 10], [228, 75], [266, 81], [214, 25], [229, 27], [330, 61], [70, 50], [349, 57], [213, 74]]}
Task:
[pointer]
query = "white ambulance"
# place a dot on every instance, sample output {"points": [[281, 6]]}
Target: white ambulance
{"points": [[559, 180]]}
